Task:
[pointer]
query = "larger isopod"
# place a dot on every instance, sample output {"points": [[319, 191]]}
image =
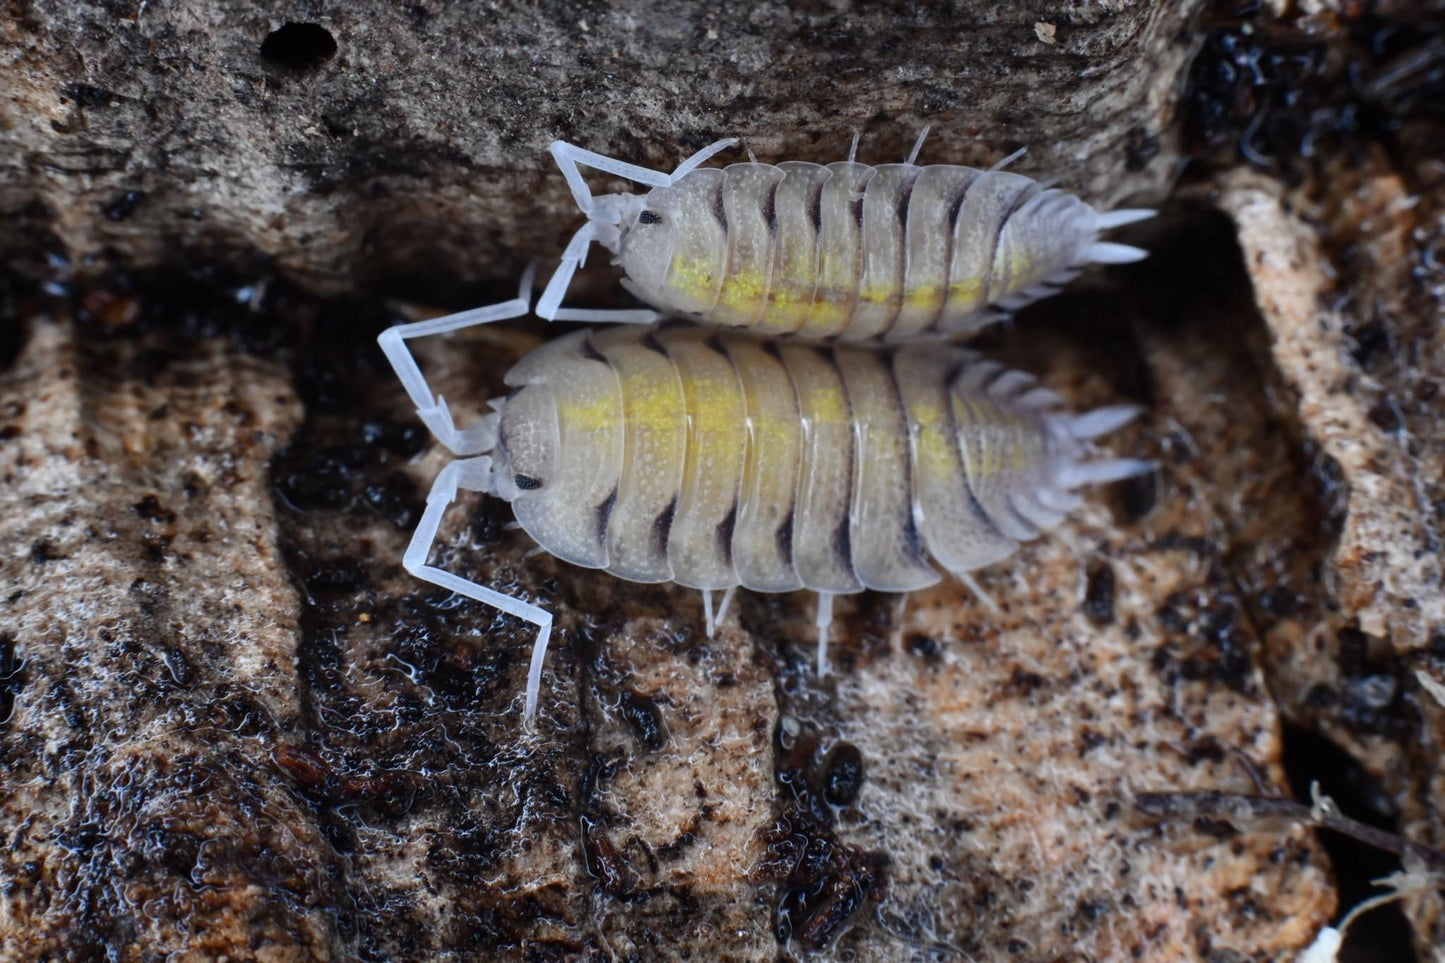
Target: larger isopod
{"points": [[842, 251], [720, 460]]}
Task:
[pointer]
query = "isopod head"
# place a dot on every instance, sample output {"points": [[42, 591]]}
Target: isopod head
{"points": [[525, 457], [673, 249], [645, 243]]}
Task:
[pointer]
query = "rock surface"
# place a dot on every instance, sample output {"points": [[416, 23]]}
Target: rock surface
{"points": [[233, 725], [402, 140]]}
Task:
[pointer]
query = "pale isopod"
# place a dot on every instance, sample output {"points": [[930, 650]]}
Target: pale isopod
{"points": [[720, 460], [846, 251]]}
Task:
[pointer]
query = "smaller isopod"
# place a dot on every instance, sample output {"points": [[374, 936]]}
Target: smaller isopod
{"points": [[842, 251], [720, 460]]}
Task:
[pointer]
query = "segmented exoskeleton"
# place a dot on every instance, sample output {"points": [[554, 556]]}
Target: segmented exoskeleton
{"points": [[844, 251], [720, 460]]}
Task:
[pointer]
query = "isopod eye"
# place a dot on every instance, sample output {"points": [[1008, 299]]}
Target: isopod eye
{"points": [[649, 217], [528, 442]]}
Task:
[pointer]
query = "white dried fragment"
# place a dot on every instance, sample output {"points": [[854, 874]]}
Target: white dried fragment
{"points": [[1436, 689], [1416, 878], [1046, 32], [1322, 807], [1325, 948]]}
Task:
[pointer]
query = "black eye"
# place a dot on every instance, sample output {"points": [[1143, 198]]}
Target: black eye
{"points": [[649, 217], [526, 482]]}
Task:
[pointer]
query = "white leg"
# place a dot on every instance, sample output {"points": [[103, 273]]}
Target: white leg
{"points": [[727, 599], [432, 408], [687, 166], [1009, 159], [824, 621], [472, 474], [549, 306], [569, 157], [853, 148], [972, 585], [707, 611], [918, 144]]}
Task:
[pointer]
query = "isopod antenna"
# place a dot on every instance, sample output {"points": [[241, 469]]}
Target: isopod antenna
{"points": [[431, 407]]}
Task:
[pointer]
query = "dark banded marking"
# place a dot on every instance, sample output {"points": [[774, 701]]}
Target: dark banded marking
{"points": [[978, 511], [974, 506], [950, 236], [815, 219], [770, 209], [815, 205], [590, 352], [904, 196], [912, 537], [1032, 189], [604, 514], [725, 529], [842, 542], [718, 212], [662, 526], [784, 535]]}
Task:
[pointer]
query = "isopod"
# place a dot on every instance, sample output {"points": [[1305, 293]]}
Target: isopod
{"points": [[719, 459], [845, 251]]}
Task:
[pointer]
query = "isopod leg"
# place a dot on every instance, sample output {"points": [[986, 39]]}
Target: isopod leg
{"points": [[918, 144], [1009, 159], [824, 622], [570, 157], [707, 612], [687, 166], [971, 583], [431, 407], [472, 474], [549, 306], [727, 599]]}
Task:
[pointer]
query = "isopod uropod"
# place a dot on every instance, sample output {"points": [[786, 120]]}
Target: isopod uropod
{"points": [[846, 251], [720, 460]]}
